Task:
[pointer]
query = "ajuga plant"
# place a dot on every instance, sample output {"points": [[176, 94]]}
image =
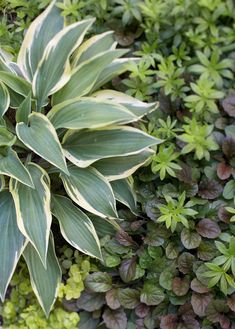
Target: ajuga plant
{"points": [[63, 143]]}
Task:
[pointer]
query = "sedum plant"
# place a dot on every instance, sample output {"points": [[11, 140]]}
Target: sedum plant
{"points": [[63, 143]]}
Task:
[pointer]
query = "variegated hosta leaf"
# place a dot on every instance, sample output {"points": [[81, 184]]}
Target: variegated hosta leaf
{"points": [[40, 136], [87, 146], [15, 99], [11, 241], [124, 193], [17, 84], [104, 227], [75, 226], [38, 35], [44, 280], [8, 66], [6, 137], [54, 70], [4, 99], [11, 166], [2, 182], [23, 112], [85, 75], [3, 65], [117, 67], [33, 209], [93, 46], [90, 190], [122, 167], [88, 113], [134, 105]]}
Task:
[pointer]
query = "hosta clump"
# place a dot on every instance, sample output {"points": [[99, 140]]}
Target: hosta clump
{"points": [[63, 136]]}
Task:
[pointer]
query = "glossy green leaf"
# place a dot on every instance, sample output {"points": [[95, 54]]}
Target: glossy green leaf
{"points": [[129, 298], [90, 190], [54, 71], [124, 193], [122, 167], [38, 35], [11, 166], [88, 113], [93, 46], [45, 281], [11, 241], [33, 209], [40, 136], [151, 294], [98, 282], [75, 226], [4, 99], [17, 84], [87, 146], [86, 73], [134, 105]]}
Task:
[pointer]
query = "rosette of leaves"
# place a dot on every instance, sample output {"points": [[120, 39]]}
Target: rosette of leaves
{"points": [[62, 137]]}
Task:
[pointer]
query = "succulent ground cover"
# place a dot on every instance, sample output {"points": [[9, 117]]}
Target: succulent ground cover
{"points": [[172, 264]]}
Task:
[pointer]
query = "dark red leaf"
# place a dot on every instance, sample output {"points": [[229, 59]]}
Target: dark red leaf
{"points": [[229, 105], [140, 324], [231, 302], [200, 302], [198, 287], [224, 215], [180, 286], [112, 299], [224, 322], [208, 228], [115, 319], [137, 224], [169, 321], [228, 147], [224, 171], [125, 239], [188, 323], [185, 262], [209, 189], [186, 310], [142, 310], [127, 269], [185, 174]]}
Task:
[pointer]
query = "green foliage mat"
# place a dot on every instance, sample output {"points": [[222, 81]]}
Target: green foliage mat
{"points": [[172, 266]]}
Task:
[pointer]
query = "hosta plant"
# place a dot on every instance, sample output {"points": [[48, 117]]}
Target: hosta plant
{"points": [[65, 147]]}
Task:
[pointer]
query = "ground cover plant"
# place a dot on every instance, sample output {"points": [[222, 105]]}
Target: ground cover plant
{"points": [[171, 265]]}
